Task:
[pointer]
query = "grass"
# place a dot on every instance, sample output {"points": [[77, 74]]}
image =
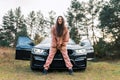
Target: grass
{"points": [[11, 69]]}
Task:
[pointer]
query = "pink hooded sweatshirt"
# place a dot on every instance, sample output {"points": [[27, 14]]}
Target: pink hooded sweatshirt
{"points": [[58, 42]]}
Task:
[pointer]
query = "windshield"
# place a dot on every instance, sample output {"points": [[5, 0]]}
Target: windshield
{"points": [[48, 40], [24, 40]]}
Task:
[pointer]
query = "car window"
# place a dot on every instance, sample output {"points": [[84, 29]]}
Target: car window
{"points": [[24, 40]]}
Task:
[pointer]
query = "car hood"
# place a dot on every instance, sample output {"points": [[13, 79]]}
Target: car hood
{"points": [[47, 46]]}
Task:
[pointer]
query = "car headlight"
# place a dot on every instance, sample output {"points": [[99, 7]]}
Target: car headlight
{"points": [[80, 51], [37, 51]]}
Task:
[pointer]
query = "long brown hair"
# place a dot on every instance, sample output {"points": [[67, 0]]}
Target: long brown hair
{"points": [[60, 27]]}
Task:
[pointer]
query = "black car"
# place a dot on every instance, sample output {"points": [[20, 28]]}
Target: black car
{"points": [[77, 54], [23, 48]]}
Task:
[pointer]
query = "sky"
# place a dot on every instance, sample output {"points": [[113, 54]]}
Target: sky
{"points": [[59, 6]]}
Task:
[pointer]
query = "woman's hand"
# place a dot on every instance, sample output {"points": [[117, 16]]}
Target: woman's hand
{"points": [[59, 46]]}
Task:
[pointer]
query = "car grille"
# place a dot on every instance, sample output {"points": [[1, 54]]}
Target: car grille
{"points": [[59, 54], [22, 54]]}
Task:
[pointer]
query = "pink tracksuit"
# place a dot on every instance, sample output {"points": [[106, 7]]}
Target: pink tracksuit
{"points": [[59, 43]]}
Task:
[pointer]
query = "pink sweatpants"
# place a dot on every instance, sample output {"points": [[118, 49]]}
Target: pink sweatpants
{"points": [[51, 55]]}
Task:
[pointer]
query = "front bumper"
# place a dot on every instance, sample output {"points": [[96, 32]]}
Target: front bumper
{"points": [[22, 54], [79, 62]]}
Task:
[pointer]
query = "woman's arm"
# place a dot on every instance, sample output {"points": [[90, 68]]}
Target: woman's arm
{"points": [[53, 44], [65, 37]]}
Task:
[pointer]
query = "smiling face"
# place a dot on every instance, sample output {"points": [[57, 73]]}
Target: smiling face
{"points": [[60, 20]]}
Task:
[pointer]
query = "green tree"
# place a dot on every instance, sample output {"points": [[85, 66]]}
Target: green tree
{"points": [[8, 32], [36, 24], [73, 33], [92, 10], [12, 27], [110, 20], [21, 28], [42, 24], [75, 14], [74, 18], [110, 23], [51, 19], [31, 23]]}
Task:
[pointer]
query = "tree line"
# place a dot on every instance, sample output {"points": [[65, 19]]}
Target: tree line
{"points": [[14, 24], [84, 19]]}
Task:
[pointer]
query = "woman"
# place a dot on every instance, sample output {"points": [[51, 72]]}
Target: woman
{"points": [[60, 37]]}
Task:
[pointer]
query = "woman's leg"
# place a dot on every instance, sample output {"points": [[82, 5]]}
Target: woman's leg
{"points": [[66, 57], [50, 58]]}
